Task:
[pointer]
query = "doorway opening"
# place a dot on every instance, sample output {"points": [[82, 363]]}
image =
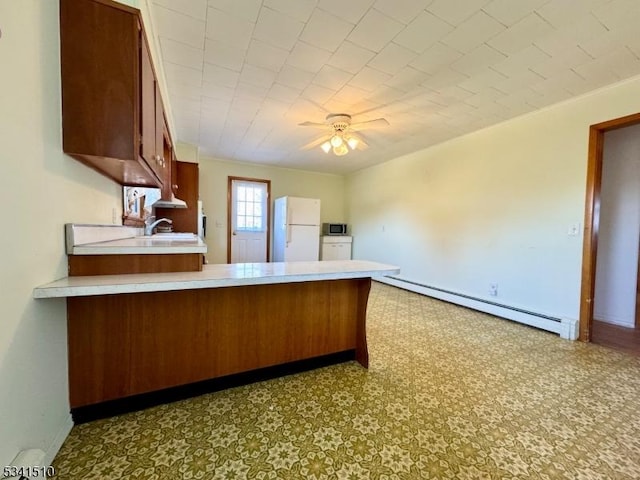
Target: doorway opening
{"points": [[248, 220], [590, 329]]}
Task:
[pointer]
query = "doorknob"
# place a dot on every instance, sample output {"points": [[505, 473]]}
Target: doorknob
{"points": [[234, 232]]}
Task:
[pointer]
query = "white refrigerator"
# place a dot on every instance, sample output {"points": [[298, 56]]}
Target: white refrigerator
{"points": [[296, 229]]}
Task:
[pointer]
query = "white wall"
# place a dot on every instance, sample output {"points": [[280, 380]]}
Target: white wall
{"points": [[213, 192], [42, 189], [494, 206], [619, 233]]}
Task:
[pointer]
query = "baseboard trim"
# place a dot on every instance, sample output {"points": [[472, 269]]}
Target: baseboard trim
{"points": [[61, 436], [615, 320], [565, 327], [145, 400]]}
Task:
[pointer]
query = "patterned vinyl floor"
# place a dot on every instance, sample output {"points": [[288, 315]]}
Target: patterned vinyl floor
{"points": [[450, 394]]}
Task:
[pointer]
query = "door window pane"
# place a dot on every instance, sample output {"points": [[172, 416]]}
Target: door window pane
{"points": [[251, 207]]}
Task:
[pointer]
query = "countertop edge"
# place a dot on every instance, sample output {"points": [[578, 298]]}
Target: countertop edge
{"points": [[169, 282], [146, 250]]}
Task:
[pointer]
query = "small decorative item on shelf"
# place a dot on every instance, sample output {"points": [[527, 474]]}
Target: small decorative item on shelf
{"points": [[138, 203]]}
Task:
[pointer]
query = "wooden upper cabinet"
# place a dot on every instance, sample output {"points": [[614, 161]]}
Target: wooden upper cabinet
{"points": [[187, 177], [169, 163], [148, 147], [152, 118], [160, 126], [109, 92]]}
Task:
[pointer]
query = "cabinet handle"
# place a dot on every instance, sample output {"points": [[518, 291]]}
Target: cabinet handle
{"points": [[159, 160]]}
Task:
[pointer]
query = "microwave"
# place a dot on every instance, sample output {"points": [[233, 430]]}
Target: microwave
{"points": [[334, 229]]}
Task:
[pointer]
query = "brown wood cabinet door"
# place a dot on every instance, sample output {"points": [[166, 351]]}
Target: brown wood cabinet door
{"points": [[149, 147], [174, 174], [96, 41], [100, 78], [159, 123], [168, 164], [187, 177]]}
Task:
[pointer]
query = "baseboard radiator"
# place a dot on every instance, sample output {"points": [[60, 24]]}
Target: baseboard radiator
{"points": [[565, 327]]}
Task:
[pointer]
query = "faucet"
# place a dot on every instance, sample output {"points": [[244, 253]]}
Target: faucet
{"points": [[152, 223]]}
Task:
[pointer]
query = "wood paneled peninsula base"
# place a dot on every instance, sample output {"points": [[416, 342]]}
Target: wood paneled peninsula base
{"points": [[205, 334]]}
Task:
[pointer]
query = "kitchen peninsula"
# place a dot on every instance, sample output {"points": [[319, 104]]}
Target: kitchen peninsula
{"points": [[133, 334]]}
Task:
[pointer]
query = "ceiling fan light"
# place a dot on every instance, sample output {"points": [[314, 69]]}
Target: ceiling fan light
{"points": [[353, 143], [340, 150], [336, 141], [326, 146]]}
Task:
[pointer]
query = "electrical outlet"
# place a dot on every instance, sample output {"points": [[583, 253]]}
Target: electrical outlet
{"points": [[573, 230], [493, 289], [114, 216]]}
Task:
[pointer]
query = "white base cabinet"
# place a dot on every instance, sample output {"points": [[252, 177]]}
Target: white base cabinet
{"points": [[335, 247]]}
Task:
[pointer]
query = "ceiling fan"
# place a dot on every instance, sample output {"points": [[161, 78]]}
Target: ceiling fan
{"points": [[341, 133]]}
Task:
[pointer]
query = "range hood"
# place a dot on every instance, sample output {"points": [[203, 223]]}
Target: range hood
{"points": [[173, 203]]}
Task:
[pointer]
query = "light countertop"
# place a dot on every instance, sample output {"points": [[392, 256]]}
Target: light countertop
{"points": [[142, 245], [214, 276], [83, 239]]}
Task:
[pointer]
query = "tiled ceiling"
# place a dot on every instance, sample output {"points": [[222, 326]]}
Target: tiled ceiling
{"points": [[242, 74]]}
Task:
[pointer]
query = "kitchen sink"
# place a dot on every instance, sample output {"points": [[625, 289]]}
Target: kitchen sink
{"points": [[174, 236], [168, 237]]}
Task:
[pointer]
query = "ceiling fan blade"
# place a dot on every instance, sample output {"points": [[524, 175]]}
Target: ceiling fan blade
{"points": [[317, 142], [378, 122], [313, 124]]}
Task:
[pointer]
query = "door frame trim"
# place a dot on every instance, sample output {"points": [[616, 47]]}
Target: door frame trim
{"points": [[592, 217], [230, 180]]}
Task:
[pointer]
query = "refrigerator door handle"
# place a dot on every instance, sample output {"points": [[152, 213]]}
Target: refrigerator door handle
{"points": [[288, 225]]}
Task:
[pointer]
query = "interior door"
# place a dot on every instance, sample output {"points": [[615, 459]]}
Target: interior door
{"points": [[249, 221]]}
